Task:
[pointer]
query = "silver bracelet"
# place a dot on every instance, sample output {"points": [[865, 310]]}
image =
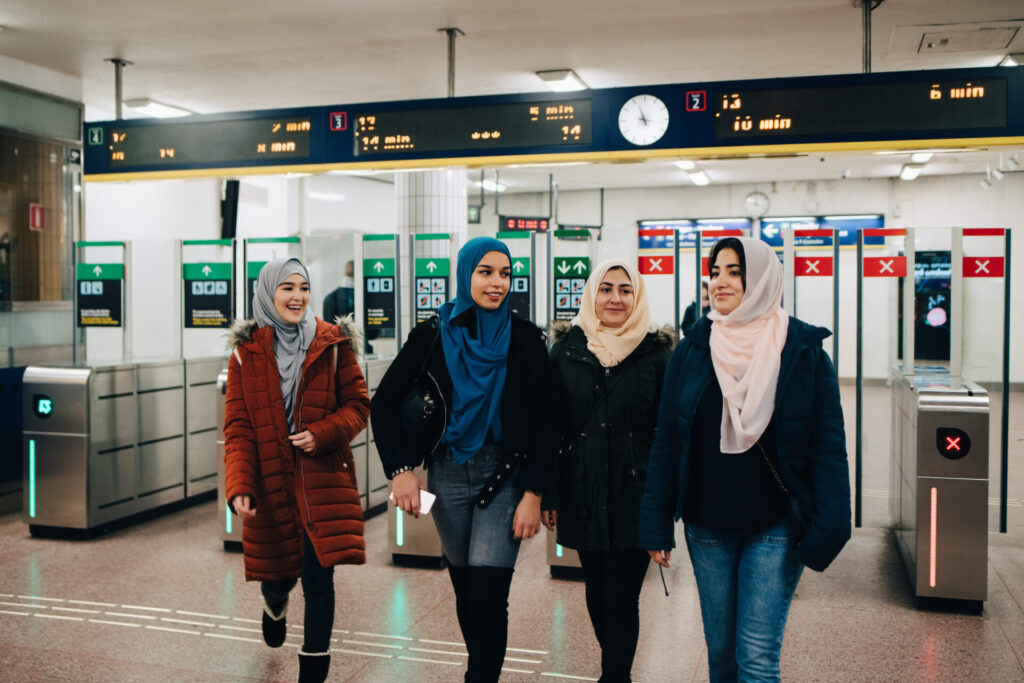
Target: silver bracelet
{"points": [[403, 468]]}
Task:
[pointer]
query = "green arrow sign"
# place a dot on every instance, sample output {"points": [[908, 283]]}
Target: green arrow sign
{"points": [[521, 266], [100, 271], [207, 271], [577, 266], [432, 267], [378, 267]]}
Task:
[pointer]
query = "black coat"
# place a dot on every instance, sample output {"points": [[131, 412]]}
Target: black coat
{"points": [[601, 468], [809, 435], [525, 411]]}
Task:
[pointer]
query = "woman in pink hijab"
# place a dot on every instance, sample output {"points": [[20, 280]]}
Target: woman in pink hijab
{"points": [[750, 452]]}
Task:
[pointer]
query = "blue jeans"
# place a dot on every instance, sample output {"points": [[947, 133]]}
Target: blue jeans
{"points": [[470, 536], [746, 583]]}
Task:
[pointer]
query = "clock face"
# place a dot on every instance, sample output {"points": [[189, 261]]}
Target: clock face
{"points": [[756, 204], [643, 120]]}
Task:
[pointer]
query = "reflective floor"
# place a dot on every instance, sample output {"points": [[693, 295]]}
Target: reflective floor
{"points": [[162, 601]]}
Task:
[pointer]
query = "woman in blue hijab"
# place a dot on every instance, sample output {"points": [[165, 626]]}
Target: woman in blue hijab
{"points": [[487, 457]]}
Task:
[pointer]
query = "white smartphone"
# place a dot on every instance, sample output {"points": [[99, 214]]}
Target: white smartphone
{"points": [[426, 500]]}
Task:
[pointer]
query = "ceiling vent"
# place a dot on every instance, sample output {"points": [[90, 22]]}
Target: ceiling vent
{"points": [[987, 39]]}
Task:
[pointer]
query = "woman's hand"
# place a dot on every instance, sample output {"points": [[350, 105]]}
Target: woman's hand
{"points": [[405, 488], [526, 522], [242, 505], [304, 441], [550, 519], [660, 557]]}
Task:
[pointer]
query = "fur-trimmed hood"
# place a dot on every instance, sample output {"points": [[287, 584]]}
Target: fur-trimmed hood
{"points": [[241, 331], [663, 336]]}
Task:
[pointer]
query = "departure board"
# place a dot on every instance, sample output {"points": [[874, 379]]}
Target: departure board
{"points": [[176, 144], [454, 129], [857, 109]]}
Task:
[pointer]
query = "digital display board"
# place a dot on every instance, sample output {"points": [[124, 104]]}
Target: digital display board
{"points": [[174, 144], [518, 124], [857, 109]]}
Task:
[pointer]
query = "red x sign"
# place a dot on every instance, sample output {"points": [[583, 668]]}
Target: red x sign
{"points": [[659, 264], [885, 266], [952, 444], [813, 266], [983, 266]]}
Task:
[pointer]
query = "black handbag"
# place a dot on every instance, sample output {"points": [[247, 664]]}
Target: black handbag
{"points": [[422, 411]]}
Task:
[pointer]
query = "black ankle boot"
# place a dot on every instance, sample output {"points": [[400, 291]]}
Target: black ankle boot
{"points": [[274, 626], [313, 666], [487, 615]]}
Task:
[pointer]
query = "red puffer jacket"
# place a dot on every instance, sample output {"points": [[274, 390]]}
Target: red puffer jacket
{"points": [[294, 491]]}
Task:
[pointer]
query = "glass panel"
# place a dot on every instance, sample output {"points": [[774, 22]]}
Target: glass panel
{"points": [[29, 112]]}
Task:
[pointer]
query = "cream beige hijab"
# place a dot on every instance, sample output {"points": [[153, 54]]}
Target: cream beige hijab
{"points": [[612, 345], [746, 349]]}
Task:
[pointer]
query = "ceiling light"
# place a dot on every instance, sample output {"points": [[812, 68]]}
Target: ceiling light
{"points": [[985, 184], [686, 164], [699, 178], [997, 174], [910, 171], [154, 109], [1013, 163], [562, 80], [1012, 59], [921, 157], [327, 196]]}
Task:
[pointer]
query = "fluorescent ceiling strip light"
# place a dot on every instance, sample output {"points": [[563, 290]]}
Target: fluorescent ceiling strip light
{"points": [[562, 80], [154, 109], [686, 164], [699, 178], [910, 171], [921, 157]]}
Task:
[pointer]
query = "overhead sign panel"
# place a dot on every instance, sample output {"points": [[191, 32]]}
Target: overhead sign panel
{"points": [[496, 126]]}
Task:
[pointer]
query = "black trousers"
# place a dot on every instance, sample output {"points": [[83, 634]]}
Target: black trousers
{"points": [[318, 592], [613, 582]]}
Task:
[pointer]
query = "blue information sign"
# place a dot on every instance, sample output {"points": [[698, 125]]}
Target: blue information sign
{"points": [[772, 230], [687, 230]]}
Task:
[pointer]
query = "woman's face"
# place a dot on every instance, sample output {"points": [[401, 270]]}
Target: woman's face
{"points": [[490, 281], [291, 298], [726, 281], [614, 301]]}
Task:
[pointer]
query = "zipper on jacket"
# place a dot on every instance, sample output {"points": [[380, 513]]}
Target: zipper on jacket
{"points": [[444, 413]]}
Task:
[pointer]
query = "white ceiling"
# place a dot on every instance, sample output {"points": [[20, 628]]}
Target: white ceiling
{"points": [[227, 55]]}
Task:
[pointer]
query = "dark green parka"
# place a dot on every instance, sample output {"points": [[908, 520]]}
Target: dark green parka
{"points": [[601, 468]]}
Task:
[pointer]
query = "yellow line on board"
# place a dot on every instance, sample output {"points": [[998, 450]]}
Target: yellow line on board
{"points": [[621, 156]]}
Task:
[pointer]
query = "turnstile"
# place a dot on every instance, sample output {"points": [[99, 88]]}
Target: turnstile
{"points": [[563, 562], [940, 497], [102, 443]]}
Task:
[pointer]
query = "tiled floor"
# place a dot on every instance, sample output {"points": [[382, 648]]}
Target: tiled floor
{"points": [[162, 601]]}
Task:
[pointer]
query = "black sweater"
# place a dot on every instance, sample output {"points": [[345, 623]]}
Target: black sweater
{"points": [[526, 404]]}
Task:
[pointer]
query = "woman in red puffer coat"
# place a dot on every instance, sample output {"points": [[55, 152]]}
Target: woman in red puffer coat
{"points": [[295, 399]]}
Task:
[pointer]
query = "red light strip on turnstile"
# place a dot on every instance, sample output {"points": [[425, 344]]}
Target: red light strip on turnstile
{"points": [[931, 537], [984, 232], [884, 232], [813, 232], [724, 232], [651, 232]]}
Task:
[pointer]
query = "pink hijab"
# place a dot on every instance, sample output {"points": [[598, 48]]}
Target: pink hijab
{"points": [[746, 349]]}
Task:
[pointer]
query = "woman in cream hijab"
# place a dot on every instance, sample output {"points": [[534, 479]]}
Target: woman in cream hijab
{"points": [[751, 453], [608, 369]]}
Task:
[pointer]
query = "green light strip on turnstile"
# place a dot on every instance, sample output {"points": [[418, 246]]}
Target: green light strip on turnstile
{"points": [[32, 478], [558, 550], [227, 523], [399, 527]]}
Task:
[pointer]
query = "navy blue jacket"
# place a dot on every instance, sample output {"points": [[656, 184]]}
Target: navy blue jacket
{"points": [[809, 431]]}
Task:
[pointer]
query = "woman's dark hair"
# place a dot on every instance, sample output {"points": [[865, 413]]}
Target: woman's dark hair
{"points": [[735, 245]]}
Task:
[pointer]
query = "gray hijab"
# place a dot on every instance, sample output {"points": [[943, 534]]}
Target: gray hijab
{"points": [[290, 341]]}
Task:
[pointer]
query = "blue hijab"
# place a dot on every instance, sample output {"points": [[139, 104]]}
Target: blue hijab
{"points": [[477, 366]]}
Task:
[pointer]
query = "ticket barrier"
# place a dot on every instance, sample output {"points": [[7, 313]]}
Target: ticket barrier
{"points": [[563, 562], [940, 454], [102, 443]]}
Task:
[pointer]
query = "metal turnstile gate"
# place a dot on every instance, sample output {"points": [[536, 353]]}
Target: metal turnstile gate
{"points": [[940, 496]]}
